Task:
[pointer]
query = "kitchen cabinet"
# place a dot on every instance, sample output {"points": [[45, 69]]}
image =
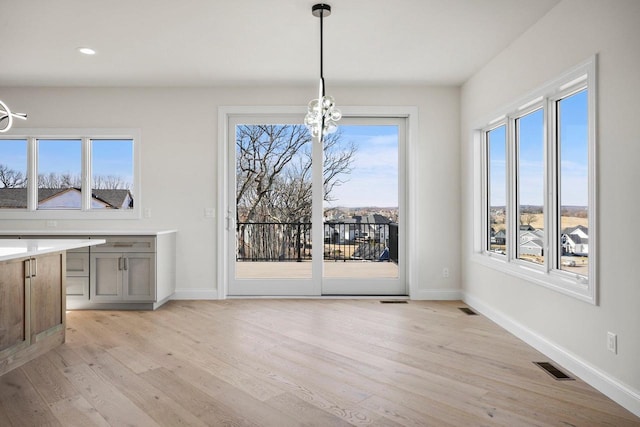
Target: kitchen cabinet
{"points": [[78, 274], [133, 270], [32, 308], [125, 276]]}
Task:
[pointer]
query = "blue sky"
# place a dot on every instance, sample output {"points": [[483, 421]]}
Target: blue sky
{"points": [[109, 157], [374, 178], [574, 158]]}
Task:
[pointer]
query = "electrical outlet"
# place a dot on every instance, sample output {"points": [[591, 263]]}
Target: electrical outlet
{"points": [[51, 224], [612, 342], [209, 212], [146, 212], [445, 272]]}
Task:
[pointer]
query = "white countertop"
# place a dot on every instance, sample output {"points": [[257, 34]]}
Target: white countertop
{"points": [[20, 248], [54, 232]]}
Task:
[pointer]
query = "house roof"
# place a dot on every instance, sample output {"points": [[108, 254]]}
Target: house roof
{"points": [[572, 230], [533, 242], [362, 219], [16, 198], [579, 240]]}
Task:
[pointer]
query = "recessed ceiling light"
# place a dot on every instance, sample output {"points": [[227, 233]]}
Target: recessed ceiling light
{"points": [[86, 50]]}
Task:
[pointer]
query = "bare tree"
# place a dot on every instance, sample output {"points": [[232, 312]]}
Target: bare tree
{"points": [[527, 218], [273, 171], [274, 181], [10, 178], [109, 182], [67, 180], [59, 180]]}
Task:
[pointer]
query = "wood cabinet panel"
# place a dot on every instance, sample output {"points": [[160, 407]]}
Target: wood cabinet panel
{"points": [[46, 293], [32, 308], [12, 299]]}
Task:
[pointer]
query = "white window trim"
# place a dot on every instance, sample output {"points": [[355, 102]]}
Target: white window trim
{"points": [[85, 135], [585, 289]]}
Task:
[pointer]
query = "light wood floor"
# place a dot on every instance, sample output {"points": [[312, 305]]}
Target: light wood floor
{"points": [[295, 362]]}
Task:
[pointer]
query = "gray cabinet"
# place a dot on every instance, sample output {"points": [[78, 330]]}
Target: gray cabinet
{"points": [[129, 271], [122, 277], [78, 274]]}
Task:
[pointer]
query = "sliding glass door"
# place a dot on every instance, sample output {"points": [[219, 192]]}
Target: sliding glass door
{"points": [[274, 187]]}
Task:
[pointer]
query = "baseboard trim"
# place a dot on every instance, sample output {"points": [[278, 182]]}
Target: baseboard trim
{"points": [[621, 393], [204, 294], [437, 294]]}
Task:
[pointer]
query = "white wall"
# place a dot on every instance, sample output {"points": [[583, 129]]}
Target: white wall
{"points": [[571, 330], [179, 149]]}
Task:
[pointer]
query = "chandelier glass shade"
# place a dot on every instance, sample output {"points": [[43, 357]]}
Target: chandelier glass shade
{"points": [[322, 113]]}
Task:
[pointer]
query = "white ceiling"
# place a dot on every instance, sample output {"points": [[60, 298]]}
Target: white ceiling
{"points": [[215, 42]]}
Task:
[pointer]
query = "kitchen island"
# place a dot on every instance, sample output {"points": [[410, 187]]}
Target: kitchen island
{"points": [[32, 297]]}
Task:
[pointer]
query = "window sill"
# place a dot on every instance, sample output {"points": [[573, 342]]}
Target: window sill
{"points": [[75, 214]]}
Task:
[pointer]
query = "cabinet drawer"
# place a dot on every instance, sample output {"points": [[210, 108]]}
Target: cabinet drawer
{"points": [[77, 264], [126, 244], [77, 286]]}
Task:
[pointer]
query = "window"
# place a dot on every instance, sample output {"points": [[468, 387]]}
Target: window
{"points": [[13, 174], [497, 189], [59, 173], [529, 139], [573, 153], [68, 175], [112, 173], [538, 186]]}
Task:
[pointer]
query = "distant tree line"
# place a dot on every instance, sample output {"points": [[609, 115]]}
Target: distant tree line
{"points": [[10, 178]]}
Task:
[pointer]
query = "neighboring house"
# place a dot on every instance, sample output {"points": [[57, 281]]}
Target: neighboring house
{"points": [[358, 227], [500, 237], [532, 247], [575, 241], [66, 198]]}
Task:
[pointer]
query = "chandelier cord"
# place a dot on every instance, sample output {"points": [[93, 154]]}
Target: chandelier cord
{"points": [[321, 51]]}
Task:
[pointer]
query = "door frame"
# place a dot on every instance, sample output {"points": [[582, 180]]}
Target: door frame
{"points": [[225, 113]]}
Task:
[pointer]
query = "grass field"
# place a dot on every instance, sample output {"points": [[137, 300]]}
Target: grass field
{"points": [[538, 222]]}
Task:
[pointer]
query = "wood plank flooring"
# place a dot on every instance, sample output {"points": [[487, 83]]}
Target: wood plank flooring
{"points": [[295, 362]]}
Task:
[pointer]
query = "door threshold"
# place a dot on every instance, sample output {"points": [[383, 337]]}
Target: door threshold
{"points": [[372, 297]]}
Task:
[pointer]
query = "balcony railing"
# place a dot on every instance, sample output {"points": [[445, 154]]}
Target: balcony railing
{"points": [[343, 241]]}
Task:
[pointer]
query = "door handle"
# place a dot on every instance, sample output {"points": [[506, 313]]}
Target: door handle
{"points": [[229, 220], [30, 269], [126, 263]]}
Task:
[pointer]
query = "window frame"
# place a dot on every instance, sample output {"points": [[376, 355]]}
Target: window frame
{"points": [[86, 136], [549, 274]]}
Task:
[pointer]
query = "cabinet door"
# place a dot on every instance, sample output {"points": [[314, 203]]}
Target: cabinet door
{"points": [[12, 309], [106, 277], [47, 294], [139, 277]]}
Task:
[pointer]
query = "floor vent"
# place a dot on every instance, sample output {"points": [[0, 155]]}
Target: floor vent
{"points": [[556, 373], [394, 301], [467, 310]]}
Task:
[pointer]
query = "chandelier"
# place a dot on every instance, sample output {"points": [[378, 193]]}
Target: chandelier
{"points": [[6, 117], [322, 113]]}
